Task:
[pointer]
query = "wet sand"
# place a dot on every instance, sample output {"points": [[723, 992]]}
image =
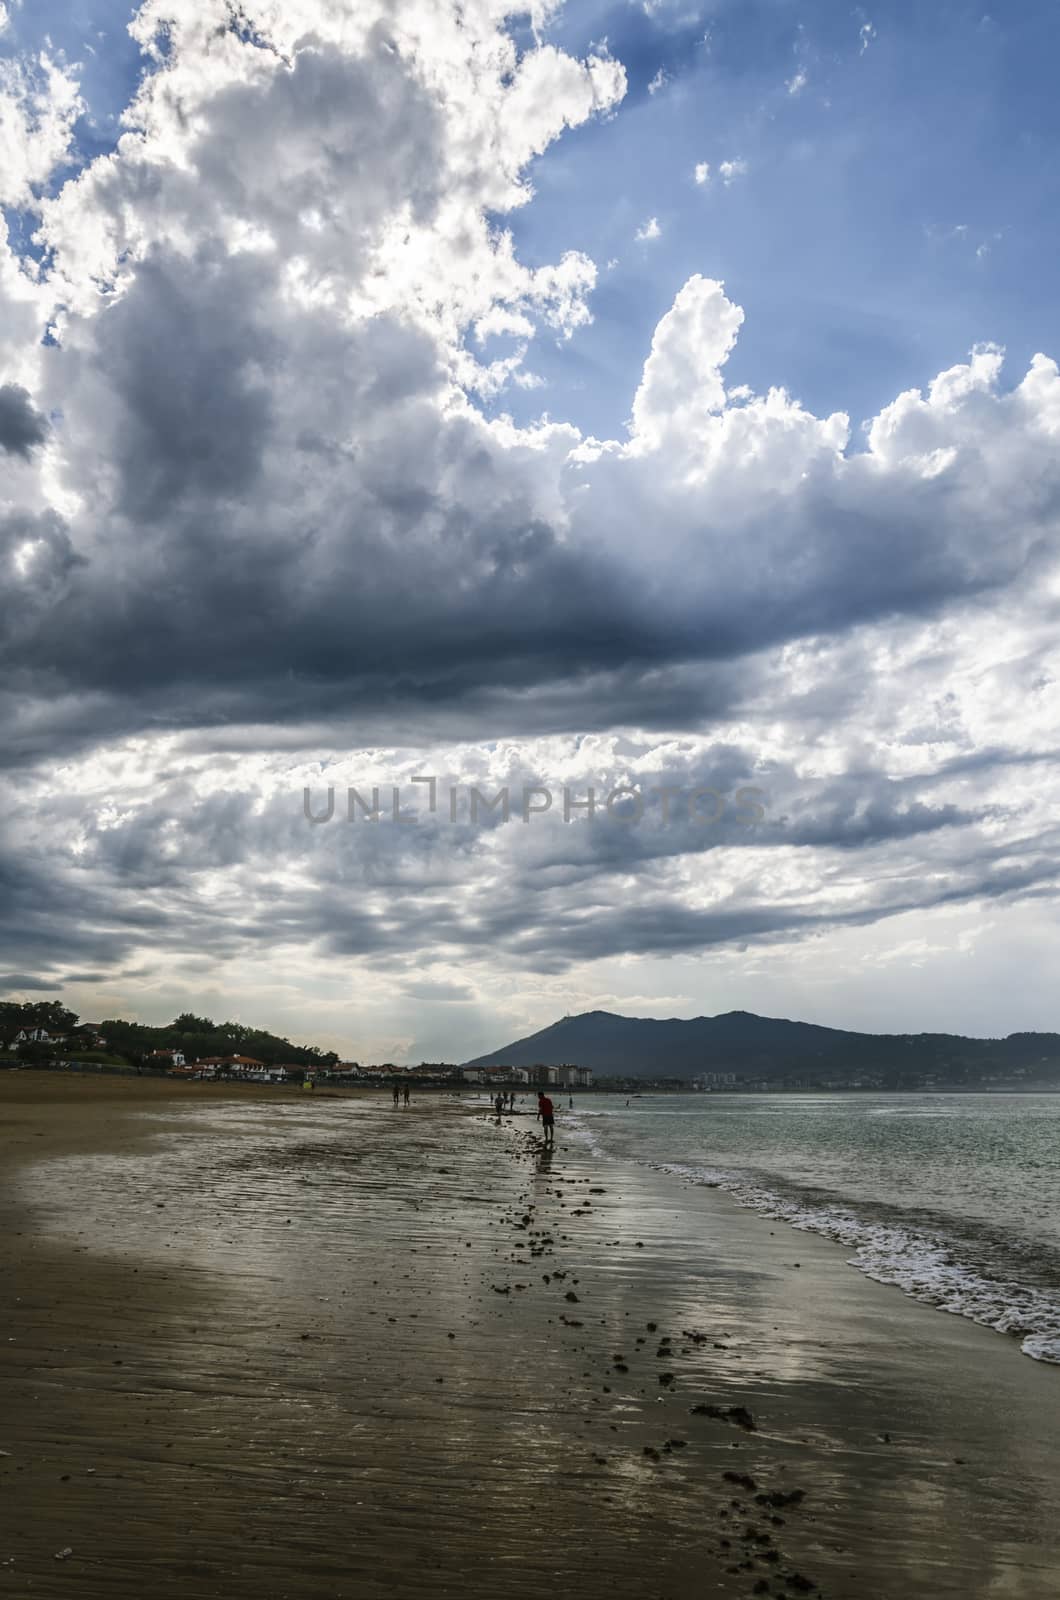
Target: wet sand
{"points": [[258, 1344]]}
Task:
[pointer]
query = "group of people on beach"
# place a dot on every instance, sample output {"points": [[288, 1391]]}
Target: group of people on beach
{"points": [[546, 1111], [503, 1101]]}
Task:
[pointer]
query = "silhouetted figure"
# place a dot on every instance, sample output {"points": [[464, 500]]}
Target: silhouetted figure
{"points": [[547, 1112], [406, 1094], [397, 1095]]}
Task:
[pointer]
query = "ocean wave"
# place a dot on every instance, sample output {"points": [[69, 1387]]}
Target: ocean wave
{"points": [[925, 1265], [574, 1128]]}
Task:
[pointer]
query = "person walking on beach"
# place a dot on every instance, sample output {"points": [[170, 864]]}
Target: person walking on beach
{"points": [[397, 1092], [406, 1094], [547, 1112]]}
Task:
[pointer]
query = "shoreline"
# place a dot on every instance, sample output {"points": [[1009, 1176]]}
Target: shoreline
{"points": [[934, 1256], [256, 1366], [897, 1255]]}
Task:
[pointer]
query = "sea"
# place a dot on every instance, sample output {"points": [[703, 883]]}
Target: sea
{"points": [[954, 1198]]}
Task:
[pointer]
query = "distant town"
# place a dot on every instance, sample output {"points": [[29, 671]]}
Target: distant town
{"points": [[792, 1056], [46, 1034]]}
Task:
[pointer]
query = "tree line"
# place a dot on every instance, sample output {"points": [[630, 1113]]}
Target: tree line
{"points": [[134, 1041]]}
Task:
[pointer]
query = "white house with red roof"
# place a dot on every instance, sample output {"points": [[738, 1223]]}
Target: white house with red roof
{"points": [[166, 1058]]}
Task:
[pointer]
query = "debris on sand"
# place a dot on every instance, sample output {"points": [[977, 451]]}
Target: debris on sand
{"points": [[737, 1414], [778, 1498]]}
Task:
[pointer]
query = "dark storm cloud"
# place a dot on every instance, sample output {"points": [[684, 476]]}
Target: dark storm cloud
{"points": [[37, 546], [554, 933], [21, 425], [298, 529], [390, 895], [53, 914], [225, 593], [610, 921], [194, 420]]}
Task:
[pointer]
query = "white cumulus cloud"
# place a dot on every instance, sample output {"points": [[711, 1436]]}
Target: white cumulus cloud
{"points": [[39, 104], [729, 171]]}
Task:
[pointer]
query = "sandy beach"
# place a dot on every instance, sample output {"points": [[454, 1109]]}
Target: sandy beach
{"points": [[257, 1344]]}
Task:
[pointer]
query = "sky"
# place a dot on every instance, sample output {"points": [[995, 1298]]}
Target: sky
{"points": [[656, 397]]}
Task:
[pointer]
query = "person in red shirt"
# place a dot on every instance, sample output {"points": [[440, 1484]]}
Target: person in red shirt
{"points": [[547, 1112]]}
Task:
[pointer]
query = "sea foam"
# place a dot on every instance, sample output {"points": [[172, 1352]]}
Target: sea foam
{"points": [[925, 1265]]}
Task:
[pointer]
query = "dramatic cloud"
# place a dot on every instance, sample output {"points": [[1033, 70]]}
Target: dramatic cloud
{"points": [[264, 527], [39, 105], [21, 427]]}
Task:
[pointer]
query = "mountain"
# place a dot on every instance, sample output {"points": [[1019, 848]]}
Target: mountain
{"points": [[758, 1048]]}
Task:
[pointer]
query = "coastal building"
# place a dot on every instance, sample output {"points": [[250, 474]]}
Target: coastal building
{"points": [[91, 1035], [229, 1066], [166, 1058], [432, 1072], [504, 1074], [572, 1077], [35, 1036]]}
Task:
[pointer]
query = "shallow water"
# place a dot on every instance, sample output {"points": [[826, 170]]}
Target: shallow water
{"points": [[954, 1198]]}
